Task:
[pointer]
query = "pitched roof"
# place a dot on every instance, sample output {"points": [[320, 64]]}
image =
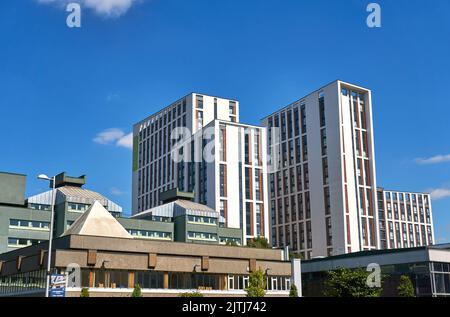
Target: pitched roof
{"points": [[97, 221], [177, 208], [74, 195]]}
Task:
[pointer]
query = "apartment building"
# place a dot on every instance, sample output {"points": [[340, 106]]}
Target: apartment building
{"points": [[323, 193], [322, 177], [405, 219], [198, 145]]}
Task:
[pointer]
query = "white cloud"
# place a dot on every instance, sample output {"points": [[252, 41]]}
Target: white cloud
{"points": [[434, 159], [440, 193], [117, 192], [109, 136], [108, 8], [126, 141], [115, 136]]}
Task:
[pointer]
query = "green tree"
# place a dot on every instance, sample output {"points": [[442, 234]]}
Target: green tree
{"points": [[256, 284], [84, 292], [293, 255], [405, 287], [350, 283], [193, 294], [293, 292], [259, 242], [137, 291]]}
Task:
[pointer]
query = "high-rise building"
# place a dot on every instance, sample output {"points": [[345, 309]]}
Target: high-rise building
{"points": [[405, 219], [198, 145], [323, 190], [322, 181]]}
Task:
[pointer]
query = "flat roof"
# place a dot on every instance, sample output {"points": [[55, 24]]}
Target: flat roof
{"points": [[444, 246], [178, 100], [10, 173], [314, 91]]}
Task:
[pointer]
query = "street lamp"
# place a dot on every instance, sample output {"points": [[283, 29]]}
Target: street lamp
{"points": [[49, 255]]}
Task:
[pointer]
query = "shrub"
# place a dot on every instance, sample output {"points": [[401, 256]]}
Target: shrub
{"points": [[259, 242], [193, 294], [257, 284], [293, 292], [137, 291], [84, 292], [350, 283], [405, 287]]}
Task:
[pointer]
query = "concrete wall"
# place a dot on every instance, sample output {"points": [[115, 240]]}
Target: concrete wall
{"points": [[7, 213], [12, 189]]}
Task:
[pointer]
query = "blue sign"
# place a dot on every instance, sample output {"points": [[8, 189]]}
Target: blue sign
{"points": [[57, 285]]}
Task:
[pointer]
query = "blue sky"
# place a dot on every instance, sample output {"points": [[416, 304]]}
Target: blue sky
{"points": [[61, 87]]}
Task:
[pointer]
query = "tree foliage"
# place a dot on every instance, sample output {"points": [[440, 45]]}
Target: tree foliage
{"points": [[405, 287], [137, 291], [259, 242], [350, 283], [293, 292], [294, 255], [84, 292], [256, 284]]}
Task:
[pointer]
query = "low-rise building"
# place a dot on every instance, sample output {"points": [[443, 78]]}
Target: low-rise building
{"points": [[194, 222], [428, 267], [26, 221], [96, 252]]}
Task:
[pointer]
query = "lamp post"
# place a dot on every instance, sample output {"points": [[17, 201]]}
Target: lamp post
{"points": [[49, 255]]}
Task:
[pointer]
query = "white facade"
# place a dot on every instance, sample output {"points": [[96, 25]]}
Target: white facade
{"points": [[160, 163], [323, 189], [406, 219]]}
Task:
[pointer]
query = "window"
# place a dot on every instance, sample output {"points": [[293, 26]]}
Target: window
{"points": [[199, 102], [74, 207], [147, 234], [323, 137], [29, 225], [202, 236], [322, 109], [21, 242], [258, 175], [225, 240], [303, 118], [202, 220], [248, 220], [39, 207], [258, 219], [223, 169]]}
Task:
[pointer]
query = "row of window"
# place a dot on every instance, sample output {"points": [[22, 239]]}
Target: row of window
{"points": [[182, 281], [39, 207], [407, 197], [77, 207], [296, 232], [293, 208], [291, 121], [225, 240], [207, 236], [171, 113], [150, 234], [404, 235], [22, 242], [29, 224], [202, 220], [291, 180]]}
